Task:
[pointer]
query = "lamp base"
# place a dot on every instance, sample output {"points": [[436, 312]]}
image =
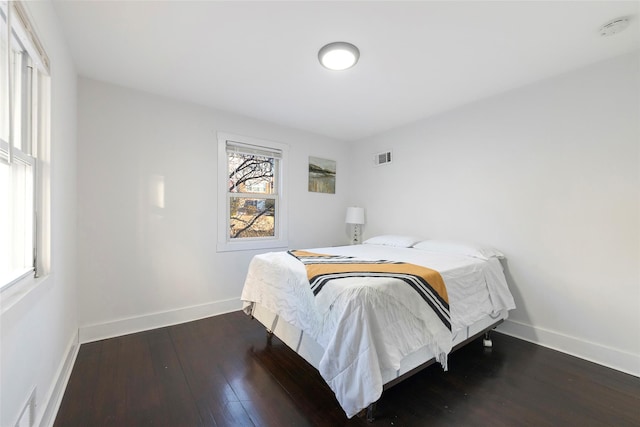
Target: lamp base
{"points": [[357, 238]]}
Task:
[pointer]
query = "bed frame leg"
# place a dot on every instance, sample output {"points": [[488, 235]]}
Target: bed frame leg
{"points": [[370, 409], [269, 336], [368, 412], [486, 341]]}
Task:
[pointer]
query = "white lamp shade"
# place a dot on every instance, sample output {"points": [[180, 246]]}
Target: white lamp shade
{"points": [[355, 215]]}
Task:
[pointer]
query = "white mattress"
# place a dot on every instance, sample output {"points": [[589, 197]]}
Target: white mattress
{"points": [[360, 343]]}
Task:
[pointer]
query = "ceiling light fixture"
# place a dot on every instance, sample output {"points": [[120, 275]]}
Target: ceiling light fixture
{"points": [[614, 26], [338, 56]]}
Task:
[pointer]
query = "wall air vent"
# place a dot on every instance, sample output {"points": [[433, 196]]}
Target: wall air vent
{"points": [[382, 158]]}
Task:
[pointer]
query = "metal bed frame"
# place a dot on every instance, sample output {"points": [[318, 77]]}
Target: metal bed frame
{"points": [[369, 411]]}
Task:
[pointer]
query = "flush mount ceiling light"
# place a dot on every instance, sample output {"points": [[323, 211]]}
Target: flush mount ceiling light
{"points": [[338, 56], [614, 26]]}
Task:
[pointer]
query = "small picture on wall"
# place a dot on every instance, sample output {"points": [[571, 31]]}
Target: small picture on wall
{"points": [[322, 175]]}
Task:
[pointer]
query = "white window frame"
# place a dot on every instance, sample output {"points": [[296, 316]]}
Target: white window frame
{"points": [[29, 122], [280, 240]]}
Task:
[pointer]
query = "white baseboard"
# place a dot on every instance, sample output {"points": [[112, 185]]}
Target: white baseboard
{"points": [[610, 357], [156, 320], [54, 397]]}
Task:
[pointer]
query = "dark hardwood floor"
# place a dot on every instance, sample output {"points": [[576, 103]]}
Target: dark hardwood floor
{"points": [[220, 371]]}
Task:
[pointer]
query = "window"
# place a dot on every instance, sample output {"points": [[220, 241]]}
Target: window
{"points": [[251, 197], [23, 107]]}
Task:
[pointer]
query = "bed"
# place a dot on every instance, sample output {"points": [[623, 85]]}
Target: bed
{"points": [[365, 332]]}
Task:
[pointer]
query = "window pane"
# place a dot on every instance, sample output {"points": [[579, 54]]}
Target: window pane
{"points": [[5, 226], [251, 173], [17, 96], [4, 81], [251, 217], [16, 217], [22, 221]]}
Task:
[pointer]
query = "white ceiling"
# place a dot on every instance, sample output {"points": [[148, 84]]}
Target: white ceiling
{"points": [[259, 59]]}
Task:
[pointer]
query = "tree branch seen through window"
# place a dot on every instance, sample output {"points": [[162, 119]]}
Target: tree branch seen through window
{"points": [[252, 201]]}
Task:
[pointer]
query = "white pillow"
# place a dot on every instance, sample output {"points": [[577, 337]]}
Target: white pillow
{"points": [[459, 248], [392, 240]]}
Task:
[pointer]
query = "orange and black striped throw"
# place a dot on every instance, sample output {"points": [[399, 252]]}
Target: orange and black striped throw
{"points": [[426, 282]]}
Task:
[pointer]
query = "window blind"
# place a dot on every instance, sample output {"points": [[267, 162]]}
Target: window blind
{"points": [[256, 150], [15, 13]]}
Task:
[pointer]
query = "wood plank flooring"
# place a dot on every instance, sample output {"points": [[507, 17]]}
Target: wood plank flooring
{"points": [[220, 371]]}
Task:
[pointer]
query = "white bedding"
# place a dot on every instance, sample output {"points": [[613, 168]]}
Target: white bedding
{"points": [[366, 329]]}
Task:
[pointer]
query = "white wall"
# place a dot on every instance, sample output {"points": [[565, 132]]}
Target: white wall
{"points": [[549, 174], [141, 267], [39, 319]]}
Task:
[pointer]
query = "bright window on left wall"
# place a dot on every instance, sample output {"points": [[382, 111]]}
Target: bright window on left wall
{"points": [[24, 109], [251, 193]]}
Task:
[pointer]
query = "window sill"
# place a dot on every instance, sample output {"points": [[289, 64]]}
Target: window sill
{"points": [[15, 278], [251, 245], [12, 295]]}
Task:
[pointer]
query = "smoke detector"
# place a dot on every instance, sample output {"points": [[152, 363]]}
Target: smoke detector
{"points": [[614, 26]]}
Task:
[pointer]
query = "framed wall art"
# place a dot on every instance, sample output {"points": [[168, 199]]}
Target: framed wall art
{"points": [[322, 175]]}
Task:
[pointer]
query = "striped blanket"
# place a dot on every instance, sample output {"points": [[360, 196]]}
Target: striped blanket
{"points": [[426, 282]]}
